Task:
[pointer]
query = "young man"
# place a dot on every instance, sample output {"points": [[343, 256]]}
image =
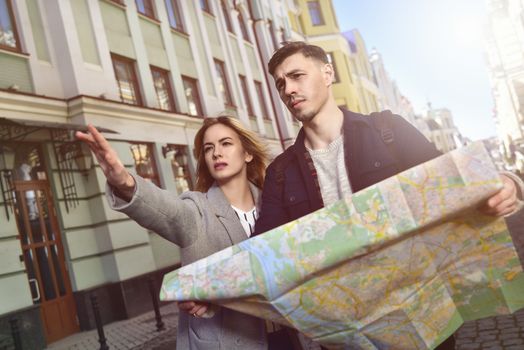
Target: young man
{"points": [[338, 152]]}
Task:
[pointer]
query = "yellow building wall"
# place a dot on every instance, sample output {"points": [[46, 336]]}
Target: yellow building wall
{"points": [[330, 25]]}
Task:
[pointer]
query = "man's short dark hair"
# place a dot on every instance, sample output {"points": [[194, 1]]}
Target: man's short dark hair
{"points": [[293, 47]]}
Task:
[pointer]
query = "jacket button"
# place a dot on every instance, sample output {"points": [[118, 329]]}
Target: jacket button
{"points": [[377, 164], [292, 198], [238, 341]]}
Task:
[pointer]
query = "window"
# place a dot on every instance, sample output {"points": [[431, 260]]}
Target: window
{"points": [[282, 35], [204, 5], [247, 98], [225, 12], [145, 165], [164, 93], [273, 35], [127, 81], [243, 27], [8, 33], [145, 7], [174, 15], [331, 60], [223, 85], [315, 13], [192, 96], [180, 166], [261, 100]]}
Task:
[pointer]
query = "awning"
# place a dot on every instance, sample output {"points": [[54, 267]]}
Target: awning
{"points": [[18, 129]]}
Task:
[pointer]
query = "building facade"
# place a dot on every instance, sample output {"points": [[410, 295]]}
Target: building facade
{"points": [[146, 72], [367, 89], [316, 23], [505, 52], [441, 129]]}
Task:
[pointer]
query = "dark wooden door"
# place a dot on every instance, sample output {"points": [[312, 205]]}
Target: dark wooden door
{"points": [[43, 256]]}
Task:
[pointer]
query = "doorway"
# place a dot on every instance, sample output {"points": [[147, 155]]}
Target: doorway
{"points": [[41, 241]]}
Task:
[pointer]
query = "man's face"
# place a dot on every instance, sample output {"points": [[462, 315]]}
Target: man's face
{"points": [[303, 84]]}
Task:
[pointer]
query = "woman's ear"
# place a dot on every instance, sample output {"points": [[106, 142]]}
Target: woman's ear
{"points": [[249, 157]]}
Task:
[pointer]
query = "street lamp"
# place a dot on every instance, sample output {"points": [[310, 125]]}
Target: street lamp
{"points": [[7, 158], [83, 158]]}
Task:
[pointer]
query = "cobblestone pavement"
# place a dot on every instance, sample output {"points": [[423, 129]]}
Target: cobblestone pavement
{"points": [[501, 332]]}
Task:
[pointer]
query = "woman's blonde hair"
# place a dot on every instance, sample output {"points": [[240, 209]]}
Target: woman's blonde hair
{"points": [[256, 168]]}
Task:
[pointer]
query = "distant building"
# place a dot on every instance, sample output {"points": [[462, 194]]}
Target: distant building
{"points": [[440, 129], [362, 73], [505, 52]]}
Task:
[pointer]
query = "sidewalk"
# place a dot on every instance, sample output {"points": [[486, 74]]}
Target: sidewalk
{"points": [[137, 333]]}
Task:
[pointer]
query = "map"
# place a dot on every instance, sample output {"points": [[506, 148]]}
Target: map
{"points": [[399, 265]]}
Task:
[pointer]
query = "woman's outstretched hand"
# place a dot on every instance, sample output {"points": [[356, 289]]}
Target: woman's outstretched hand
{"points": [[116, 174]]}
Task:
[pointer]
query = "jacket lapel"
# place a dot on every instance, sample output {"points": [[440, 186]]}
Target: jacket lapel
{"points": [[226, 215]]}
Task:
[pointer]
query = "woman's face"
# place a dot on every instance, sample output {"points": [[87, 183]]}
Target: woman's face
{"points": [[224, 154]]}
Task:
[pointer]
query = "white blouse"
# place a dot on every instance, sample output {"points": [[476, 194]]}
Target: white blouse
{"points": [[247, 219]]}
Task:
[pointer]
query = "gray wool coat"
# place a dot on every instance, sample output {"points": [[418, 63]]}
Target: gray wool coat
{"points": [[200, 224]]}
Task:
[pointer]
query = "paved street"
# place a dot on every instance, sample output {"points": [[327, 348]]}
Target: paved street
{"points": [[139, 333]]}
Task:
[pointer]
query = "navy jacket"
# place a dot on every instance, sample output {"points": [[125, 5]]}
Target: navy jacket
{"points": [[368, 161]]}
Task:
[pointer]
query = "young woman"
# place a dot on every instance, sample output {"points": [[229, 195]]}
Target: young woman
{"points": [[231, 163]]}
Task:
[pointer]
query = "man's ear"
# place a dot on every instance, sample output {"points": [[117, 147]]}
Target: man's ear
{"points": [[329, 73]]}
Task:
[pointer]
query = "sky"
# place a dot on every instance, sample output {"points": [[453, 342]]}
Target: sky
{"points": [[434, 50]]}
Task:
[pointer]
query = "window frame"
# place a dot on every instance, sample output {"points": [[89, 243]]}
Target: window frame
{"points": [[135, 82], [243, 28], [175, 15], [262, 101], [185, 167], [164, 74], [149, 8], [155, 177], [315, 6], [204, 5], [246, 95], [222, 75], [225, 13], [195, 93], [14, 26]]}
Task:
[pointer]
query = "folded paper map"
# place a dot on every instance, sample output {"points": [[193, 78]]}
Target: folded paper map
{"points": [[399, 265]]}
